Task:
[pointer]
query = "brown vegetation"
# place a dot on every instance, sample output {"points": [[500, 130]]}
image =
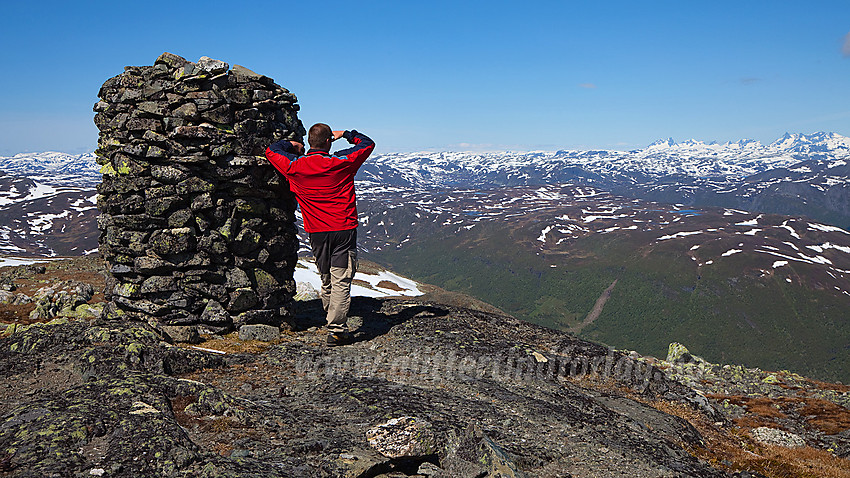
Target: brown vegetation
{"points": [[385, 284], [88, 269], [731, 448]]}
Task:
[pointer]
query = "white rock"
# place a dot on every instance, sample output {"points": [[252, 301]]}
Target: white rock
{"points": [[403, 437], [774, 436], [213, 66]]}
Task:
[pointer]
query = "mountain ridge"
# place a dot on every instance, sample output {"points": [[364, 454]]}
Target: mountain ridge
{"points": [[664, 157], [52, 167], [791, 147]]}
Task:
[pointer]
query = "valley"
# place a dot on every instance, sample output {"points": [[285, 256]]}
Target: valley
{"points": [[721, 247]]}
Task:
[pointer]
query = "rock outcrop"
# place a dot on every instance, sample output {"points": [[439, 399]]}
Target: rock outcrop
{"points": [[196, 228], [426, 390]]}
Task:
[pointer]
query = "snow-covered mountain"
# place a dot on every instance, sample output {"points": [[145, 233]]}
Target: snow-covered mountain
{"points": [[677, 227], [695, 160], [46, 219], [796, 174], [48, 204], [54, 168]]}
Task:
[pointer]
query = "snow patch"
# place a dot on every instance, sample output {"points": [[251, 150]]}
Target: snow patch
{"points": [[813, 226], [752, 222], [21, 261], [828, 245], [543, 233], [678, 234], [308, 273], [790, 230]]}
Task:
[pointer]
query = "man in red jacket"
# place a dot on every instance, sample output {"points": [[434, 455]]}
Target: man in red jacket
{"points": [[323, 183]]}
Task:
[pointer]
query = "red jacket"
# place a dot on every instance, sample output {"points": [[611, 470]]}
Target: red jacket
{"points": [[323, 183]]}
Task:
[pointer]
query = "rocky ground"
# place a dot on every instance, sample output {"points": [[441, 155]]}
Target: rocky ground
{"points": [[791, 419], [428, 389]]}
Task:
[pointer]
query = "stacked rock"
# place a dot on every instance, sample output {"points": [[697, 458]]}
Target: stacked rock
{"points": [[197, 228]]}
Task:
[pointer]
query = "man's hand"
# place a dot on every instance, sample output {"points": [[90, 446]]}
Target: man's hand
{"points": [[336, 135], [298, 147]]}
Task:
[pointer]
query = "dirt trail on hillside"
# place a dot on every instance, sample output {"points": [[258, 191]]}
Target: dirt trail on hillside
{"points": [[597, 309]]}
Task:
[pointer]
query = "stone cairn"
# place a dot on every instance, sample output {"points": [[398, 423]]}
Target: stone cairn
{"points": [[197, 228]]}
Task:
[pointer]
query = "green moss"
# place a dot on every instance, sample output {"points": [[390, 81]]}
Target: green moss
{"points": [[99, 334], [264, 280], [126, 289], [226, 128], [252, 207], [134, 348], [121, 392], [226, 229], [84, 311], [108, 170], [79, 434], [67, 312], [123, 168]]}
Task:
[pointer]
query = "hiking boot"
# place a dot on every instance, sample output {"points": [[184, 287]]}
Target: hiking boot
{"points": [[340, 338]]}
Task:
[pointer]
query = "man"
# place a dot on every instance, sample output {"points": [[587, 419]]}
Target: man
{"points": [[323, 183]]}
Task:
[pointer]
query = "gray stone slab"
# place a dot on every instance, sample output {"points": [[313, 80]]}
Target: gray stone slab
{"points": [[265, 333]]}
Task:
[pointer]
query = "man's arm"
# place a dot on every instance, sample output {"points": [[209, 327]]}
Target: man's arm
{"points": [[363, 147], [283, 152]]}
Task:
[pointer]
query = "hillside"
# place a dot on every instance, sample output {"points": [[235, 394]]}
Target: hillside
{"points": [[39, 218], [427, 390], [708, 277]]}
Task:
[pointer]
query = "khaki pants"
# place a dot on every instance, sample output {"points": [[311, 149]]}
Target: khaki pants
{"points": [[336, 293]]}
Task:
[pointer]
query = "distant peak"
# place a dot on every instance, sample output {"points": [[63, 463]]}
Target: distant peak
{"points": [[663, 142], [818, 139]]}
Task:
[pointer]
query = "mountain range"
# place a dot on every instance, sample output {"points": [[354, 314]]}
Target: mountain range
{"points": [[796, 174], [691, 159], [54, 168], [740, 250]]}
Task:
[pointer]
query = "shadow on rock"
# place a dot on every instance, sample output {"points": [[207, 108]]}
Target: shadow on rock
{"points": [[308, 313], [378, 316]]}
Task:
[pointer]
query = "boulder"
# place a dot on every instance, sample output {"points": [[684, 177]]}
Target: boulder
{"points": [[406, 437], [263, 333], [775, 436], [182, 333]]}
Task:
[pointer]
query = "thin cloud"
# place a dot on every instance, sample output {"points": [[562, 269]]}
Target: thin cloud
{"points": [[845, 48], [749, 81], [589, 86]]}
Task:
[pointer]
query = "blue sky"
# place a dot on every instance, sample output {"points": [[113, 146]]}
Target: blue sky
{"points": [[455, 75]]}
